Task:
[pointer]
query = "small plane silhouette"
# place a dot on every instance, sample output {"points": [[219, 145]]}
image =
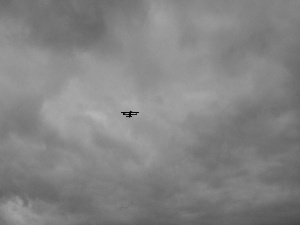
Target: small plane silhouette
{"points": [[130, 113]]}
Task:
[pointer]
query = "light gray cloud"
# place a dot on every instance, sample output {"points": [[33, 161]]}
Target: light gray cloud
{"points": [[217, 137]]}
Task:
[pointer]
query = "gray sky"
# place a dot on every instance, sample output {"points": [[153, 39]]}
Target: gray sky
{"points": [[217, 139]]}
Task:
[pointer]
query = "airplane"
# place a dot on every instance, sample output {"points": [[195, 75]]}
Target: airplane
{"points": [[130, 113]]}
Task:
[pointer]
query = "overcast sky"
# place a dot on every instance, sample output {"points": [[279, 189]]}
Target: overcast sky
{"points": [[217, 87]]}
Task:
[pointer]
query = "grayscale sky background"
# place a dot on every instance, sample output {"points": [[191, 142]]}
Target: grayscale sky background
{"points": [[217, 139]]}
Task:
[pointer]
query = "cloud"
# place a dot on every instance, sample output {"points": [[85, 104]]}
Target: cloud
{"points": [[217, 137]]}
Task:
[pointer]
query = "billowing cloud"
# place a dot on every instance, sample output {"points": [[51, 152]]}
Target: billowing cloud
{"points": [[217, 137]]}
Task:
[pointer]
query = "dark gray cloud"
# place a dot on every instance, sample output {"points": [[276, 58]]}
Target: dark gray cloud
{"points": [[217, 87], [69, 25]]}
